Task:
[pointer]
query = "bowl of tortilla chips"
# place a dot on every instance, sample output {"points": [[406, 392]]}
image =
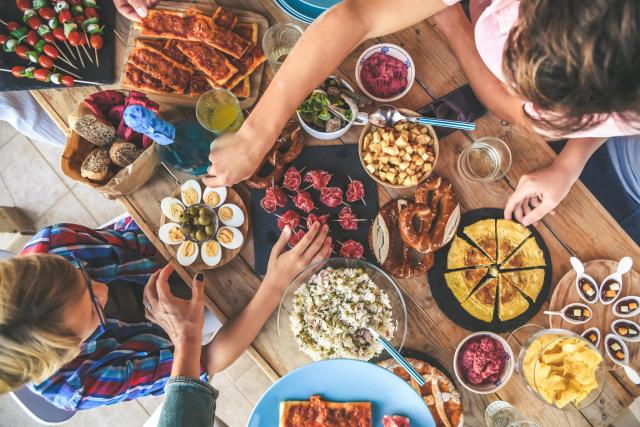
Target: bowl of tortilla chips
{"points": [[562, 368]]}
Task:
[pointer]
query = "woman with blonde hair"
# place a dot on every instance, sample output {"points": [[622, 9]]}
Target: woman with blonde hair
{"points": [[78, 311]]}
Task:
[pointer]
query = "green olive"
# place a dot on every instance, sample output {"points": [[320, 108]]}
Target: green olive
{"points": [[186, 229], [193, 211], [203, 211], [204, 220], [201, 235], [183, 218], [209, 229], [193, 235]]}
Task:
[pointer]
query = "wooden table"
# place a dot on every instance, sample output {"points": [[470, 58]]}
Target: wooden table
{"points": [[581, 226]]}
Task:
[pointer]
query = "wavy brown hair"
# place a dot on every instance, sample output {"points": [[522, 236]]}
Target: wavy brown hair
{"points": [[35, 290], [577, 61]]}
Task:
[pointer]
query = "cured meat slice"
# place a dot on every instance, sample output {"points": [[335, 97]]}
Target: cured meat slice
{"points": [[318, 179], [312, 219], [295, 237], [290, 218], [355, 191], [352, 249], [331, 196], [278, 195], [303, 201], [292, 179], [347, 220]]}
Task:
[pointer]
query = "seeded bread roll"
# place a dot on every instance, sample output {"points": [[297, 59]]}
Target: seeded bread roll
{"points": [[124, 153], [94, 129], [96, 165]]}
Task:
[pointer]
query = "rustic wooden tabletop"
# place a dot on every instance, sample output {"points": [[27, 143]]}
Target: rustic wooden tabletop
{"points": [[581, 226]]}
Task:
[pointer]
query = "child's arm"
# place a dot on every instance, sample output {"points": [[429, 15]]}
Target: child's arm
{"points": [[320, 50], [457, 29], [236, 335]]}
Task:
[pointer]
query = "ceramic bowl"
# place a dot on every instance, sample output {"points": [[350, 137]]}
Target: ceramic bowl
{"points": [[396, 52]]}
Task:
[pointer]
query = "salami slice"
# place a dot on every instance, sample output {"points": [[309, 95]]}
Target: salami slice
{"points": [[347, 220], [312, 219], [278, 195], [290, 218], [355, 191], [331, 196], [292, 179], [303, 201], [318, 179], [352, 249]]}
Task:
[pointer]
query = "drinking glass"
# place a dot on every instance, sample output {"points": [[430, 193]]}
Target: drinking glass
{"points": [[487, 159], [504, 414], [219, 111], [278, 42]]}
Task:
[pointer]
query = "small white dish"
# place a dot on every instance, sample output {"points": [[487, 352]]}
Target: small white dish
{"points": [[615, 278], [610, 342], [586, 285], [587, 333], [633, 329], [626, 301], [396, 52], [571, 317], [505, 375]]}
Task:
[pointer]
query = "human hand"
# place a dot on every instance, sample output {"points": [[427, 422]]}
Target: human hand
{"points": [[284, 265], [181, 319], [234, 157], [538, 194], [134, 9]]}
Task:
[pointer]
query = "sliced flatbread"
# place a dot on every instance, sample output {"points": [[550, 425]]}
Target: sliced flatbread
{"points": [[510, 235], [527, 255], [462, 254], [463, 282], [483, 234], [512, 303], [305, 413], [248, 31], [481, 304], [530, 282]]}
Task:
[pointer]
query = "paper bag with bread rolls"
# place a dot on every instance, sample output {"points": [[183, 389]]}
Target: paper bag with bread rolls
{"points": [[115, 181]]}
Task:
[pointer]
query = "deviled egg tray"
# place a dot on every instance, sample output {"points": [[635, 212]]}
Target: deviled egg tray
{"points": [[202, 227]]}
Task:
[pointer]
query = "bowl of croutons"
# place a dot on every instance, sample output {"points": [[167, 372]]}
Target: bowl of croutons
{"points": [[400, 156]]}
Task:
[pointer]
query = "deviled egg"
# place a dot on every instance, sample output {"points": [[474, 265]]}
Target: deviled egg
{"points": [[211, 253], [230, 237], [171, 234], [190, 192], [231, 215], [172, 208], [187, 253], [214, 197]]}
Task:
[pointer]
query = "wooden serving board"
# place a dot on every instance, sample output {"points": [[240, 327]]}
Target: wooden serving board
{"points": [[227, 254], [186, 100], [566, 293]]}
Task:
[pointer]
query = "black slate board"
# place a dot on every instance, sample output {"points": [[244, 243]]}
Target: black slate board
{"points": [[341, 161], [450, 306], [104, 74]]}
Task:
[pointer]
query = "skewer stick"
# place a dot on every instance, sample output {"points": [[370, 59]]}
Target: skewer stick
{"points": [[357, 219], [70, 51], [97, 60], [87, 53], [88, 82], [60, 51], [66, 71], [80, 56], [119, 37], [3, 22], [61, 58]]}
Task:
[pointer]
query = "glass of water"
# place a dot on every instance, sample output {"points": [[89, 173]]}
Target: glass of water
{"points": [[278, 42], [504, 414], [487, 159]]}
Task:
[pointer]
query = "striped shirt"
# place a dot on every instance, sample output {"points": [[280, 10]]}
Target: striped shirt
{"points": [[126, 360]]}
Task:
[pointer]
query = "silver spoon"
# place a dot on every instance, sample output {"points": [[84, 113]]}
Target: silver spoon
{"points": [[388, 115]]}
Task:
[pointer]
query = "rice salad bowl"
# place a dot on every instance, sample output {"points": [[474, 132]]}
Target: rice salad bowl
{"points": [[331, 304]]}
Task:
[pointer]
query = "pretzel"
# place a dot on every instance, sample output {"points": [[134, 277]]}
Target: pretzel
{"points": [[435, 202], [396, 257], [292, 139]]}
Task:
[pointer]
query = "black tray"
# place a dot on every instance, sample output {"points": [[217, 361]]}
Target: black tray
{"points": [[340, 161], [450, 306], [104, 74]]}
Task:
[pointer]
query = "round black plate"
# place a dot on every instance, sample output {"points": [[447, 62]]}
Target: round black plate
{"points": [[450, 306]]}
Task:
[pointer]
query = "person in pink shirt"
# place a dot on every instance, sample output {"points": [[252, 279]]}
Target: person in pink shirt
{"points": [[567, 69]]}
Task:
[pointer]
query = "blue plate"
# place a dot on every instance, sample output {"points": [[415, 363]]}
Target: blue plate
{"points": [[322, 4], [300, 11], [344, 380]]}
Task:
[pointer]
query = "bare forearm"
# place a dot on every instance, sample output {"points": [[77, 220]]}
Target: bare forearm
{"points": [[457, 29], [320, 51], [186, 359], [238, 333], [575, 154]]}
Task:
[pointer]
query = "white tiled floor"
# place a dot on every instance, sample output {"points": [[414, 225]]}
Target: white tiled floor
{"points": [[31, 179]]}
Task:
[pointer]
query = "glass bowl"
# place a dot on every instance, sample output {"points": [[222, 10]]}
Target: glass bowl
{"points": [[560, 334], [382, 280], [214, 222]]}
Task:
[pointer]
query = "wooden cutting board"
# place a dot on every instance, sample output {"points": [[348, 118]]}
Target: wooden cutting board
{"points": [[186, 100], [566, 293]]}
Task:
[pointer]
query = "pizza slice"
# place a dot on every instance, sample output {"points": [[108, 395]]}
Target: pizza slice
{"points": [[512, 303], [529, 282], [210, 61], [247, 30], [159, 66], [528, 254], [483, 234], [316, 411], [176, 25], [510, 235], [463, 282], [482, 303], [224, 18], [138, 79], [227, 41], [462, 254], [246, 65]]}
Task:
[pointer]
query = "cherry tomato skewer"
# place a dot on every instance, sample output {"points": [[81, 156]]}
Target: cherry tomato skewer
{"points": [[44, 75]]}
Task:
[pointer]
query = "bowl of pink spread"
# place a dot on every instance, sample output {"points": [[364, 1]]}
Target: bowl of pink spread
{"points": [[385, 72], [483, 362]]}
